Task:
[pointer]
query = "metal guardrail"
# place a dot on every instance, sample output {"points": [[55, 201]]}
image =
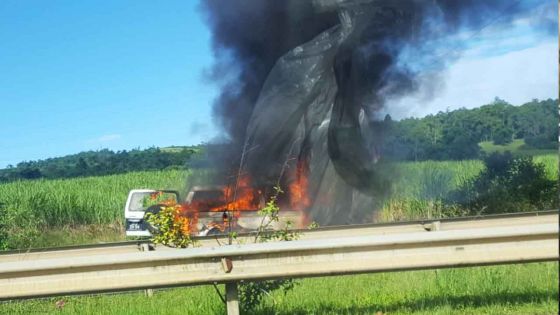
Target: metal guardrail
{"points": [[136, 243], [436, 245], [321, 232]]}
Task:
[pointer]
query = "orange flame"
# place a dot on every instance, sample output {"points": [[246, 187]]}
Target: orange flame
{"points": [[243, 196], [188, 216], [299, 194]]}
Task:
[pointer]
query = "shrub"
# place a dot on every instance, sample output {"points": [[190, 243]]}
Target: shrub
{"points": [[172, 229], [508, 184]]}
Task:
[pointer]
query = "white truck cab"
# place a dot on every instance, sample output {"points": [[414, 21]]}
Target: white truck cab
{"points": [[135, 208]]}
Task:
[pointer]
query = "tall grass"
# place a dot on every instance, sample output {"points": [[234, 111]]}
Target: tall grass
{"points": [[100, 200], [550, 162], [90, 200], [418, 187], [432, 179]]}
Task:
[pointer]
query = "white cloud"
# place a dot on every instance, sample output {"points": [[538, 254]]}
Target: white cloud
{"points": [[107, 138], [516, 77]]}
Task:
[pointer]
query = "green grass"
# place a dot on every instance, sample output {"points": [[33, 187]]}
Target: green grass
{"points": [[550, 162], [490, 147], [432, 179], [173, 149], [517, 146], [510, 289]]}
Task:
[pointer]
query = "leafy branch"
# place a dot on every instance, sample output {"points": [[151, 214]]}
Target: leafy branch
{"points": [[172, 229]]}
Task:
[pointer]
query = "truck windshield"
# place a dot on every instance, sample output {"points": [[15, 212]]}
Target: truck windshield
{"points": [[142, 200], [137, 201]]}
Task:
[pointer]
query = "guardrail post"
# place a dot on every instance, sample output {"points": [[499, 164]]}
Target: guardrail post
{"points": [[232, 298], [146, 248]]}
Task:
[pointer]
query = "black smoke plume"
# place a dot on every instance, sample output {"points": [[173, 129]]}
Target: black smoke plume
{"points": [[248, 38], [307, 79]]}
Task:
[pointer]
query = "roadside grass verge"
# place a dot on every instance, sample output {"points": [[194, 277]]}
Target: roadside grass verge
{"points": [[508, 289], [80, 235]]}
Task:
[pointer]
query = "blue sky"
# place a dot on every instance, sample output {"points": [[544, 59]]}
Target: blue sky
{"points": [[85, 75], [80, 75]]}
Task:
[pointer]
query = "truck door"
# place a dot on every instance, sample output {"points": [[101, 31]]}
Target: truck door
{"points": [[136, 204]]}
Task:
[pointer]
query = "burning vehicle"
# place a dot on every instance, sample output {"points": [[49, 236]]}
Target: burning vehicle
{"points": [[213, 210]]}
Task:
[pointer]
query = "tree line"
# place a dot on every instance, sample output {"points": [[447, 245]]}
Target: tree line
{"points": [[98, 163], [455, 135], [450, 135]]}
